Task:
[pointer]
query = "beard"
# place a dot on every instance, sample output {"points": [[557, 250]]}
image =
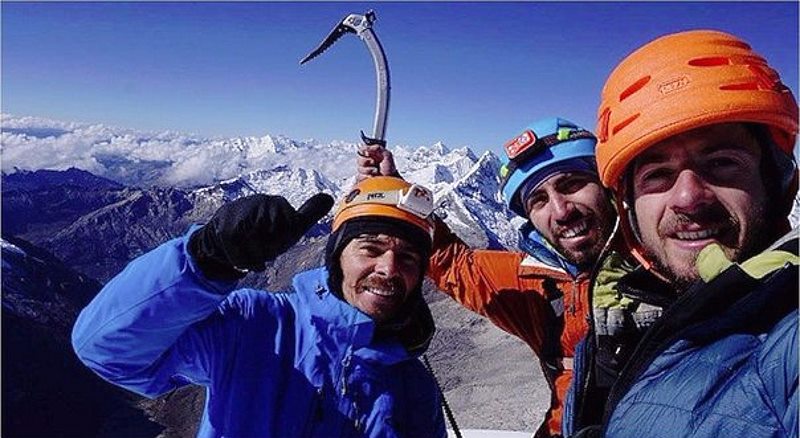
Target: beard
{"points": [[585, 256], [736, 244], [680, 280]]}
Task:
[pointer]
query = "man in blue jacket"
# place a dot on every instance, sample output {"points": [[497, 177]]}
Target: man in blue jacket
{"points": [[699, 338], [335, 356]]}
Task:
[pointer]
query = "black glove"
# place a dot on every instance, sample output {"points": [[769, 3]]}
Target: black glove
{"points": [[246, 233]]}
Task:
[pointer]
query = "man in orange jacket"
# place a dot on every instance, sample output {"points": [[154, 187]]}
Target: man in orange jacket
{"points": [[549, 177]]}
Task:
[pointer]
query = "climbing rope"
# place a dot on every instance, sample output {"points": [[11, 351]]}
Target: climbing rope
{"points": [[446, 406]]}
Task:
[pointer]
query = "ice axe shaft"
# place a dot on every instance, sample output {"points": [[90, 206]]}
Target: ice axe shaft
{"points": [[361, 25]]}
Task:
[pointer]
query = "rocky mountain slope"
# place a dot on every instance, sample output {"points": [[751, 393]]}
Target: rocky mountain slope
{"points": [[47, 392]]}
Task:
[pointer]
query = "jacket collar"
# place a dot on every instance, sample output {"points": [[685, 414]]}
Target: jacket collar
{"points": [[346, 324], [536, 246], [343, 322], [641, 285]]}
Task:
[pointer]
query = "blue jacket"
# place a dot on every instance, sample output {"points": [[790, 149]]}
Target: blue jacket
{"points": [[274, 364], [721, 362]]}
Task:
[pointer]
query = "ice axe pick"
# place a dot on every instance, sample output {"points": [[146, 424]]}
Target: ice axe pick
{"points": [[361, 25]]}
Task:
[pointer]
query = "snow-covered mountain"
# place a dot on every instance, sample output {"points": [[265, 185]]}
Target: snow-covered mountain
{"points": [[296, 184], [215, 170], [138, 158]]}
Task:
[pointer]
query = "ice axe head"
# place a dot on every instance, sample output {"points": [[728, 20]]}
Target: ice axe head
{"points": [[353, 23], [361, 25]]}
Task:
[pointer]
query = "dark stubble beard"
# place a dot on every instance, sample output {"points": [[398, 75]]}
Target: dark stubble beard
{"points": [[585, 259], [754, 241]]}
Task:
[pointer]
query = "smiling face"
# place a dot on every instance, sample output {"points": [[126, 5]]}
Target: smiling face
{"points": [[700, 187], [379, 274], [572, 212]]}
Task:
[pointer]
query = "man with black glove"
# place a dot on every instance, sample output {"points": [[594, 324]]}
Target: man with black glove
{"points": [[334, 356]]}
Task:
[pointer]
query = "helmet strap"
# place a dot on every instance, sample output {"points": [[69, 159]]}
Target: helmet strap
{"points": [[630, 227]]}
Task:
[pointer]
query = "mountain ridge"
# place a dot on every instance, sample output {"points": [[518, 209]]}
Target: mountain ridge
{"points": [[295, 170]]}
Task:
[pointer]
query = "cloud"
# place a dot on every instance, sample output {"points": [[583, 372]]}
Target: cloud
{"points": [[169, 158], [121, 154]]}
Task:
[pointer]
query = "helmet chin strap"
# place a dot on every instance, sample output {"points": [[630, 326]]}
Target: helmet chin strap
{"points": [[627, 223]]}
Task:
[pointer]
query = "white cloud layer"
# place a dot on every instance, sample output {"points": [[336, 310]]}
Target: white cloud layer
{"points": [[135, 157], [174, 159]]}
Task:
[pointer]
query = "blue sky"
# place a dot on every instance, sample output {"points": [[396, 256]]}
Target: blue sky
{"points": [[462, 73]]}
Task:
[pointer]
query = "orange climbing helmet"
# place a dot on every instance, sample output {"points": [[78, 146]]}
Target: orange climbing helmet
{"points": [[683, 81], [387, 197]]}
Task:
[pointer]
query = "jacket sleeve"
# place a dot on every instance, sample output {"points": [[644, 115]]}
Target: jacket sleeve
{"points": [[779, 371], [488, 283], [136, 331]]}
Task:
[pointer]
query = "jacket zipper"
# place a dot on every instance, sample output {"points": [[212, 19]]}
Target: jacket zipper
{"points": [[346, 362], [578, 413], [345, 365]]}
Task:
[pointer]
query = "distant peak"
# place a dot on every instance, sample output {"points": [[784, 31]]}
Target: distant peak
{"points": [[487, 156], [440, 148]]}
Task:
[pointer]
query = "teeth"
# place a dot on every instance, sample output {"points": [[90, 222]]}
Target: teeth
{"points": [[380, 292], [696, 235], [576, 230]]}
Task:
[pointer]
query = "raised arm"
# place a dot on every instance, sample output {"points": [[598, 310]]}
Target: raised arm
{"points": [[473, 277], [149, 329], [484, 281], [127, 332]]}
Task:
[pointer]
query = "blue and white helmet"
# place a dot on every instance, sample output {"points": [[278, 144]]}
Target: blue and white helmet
{"points": [[545, 147]]}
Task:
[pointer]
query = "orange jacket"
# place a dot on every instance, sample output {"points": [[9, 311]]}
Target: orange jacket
{"points": [[545, 307]]}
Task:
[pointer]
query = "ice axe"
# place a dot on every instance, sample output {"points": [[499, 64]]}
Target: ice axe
{"points": [[361, 25]]}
